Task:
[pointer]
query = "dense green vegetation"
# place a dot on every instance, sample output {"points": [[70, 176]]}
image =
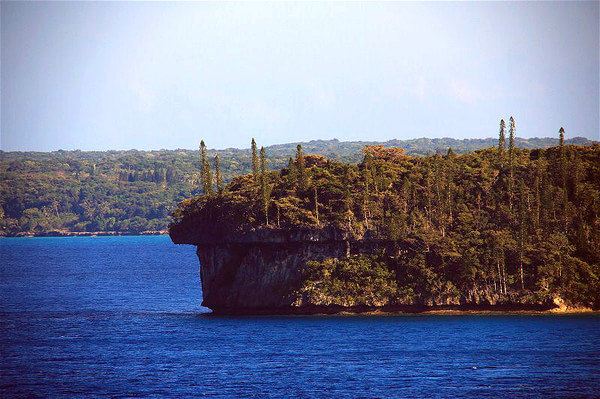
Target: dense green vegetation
{"points": [[516, 223], [134, 191], [350, 281]]}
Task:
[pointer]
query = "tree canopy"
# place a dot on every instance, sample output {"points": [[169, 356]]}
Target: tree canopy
{"points": [[133, 191]]}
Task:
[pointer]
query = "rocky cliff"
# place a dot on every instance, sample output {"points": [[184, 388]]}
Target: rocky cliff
{"points": [[265, 271], [260, 270]]}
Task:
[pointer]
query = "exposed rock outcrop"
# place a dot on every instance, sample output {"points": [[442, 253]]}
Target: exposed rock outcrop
{"points": [[259, 270], [262, 271]]}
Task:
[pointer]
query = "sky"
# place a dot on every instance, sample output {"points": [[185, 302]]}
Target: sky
{"points": [[100, 75]]}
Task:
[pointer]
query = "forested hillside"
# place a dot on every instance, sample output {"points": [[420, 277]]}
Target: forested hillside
{"points": [[499, 224], [135, 191]]}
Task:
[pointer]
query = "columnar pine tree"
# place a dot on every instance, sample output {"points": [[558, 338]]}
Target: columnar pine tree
{"points": [[563, 175], [205, 173], [561, 137], [264, 188], [254, 160], [512, 127], [202, 151], [218, 176], [501, 141], [562, 157]]}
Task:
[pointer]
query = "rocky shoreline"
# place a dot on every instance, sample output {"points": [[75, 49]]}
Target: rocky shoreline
{"points": [[556, 307], [407, 311]]}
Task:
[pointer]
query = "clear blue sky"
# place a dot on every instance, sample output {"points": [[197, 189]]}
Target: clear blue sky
{"points": [[101, 76]]}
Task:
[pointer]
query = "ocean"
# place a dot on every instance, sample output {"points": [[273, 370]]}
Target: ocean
{"points": [[122, 317]]}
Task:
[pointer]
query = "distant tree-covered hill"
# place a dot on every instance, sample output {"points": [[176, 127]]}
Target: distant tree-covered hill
{"points": [[135, 191]]}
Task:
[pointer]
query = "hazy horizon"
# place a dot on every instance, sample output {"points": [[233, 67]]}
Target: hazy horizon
{"points": [[118, 76], [245, 145]]}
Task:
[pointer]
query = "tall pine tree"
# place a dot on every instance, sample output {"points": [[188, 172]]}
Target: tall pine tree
{"points": [[202, 151], [562, 157], [254, 160], [205, 173], [501, 141], [561, 137], [563, 176], [511, 139]]}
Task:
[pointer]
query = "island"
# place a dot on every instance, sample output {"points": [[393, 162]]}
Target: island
{"points": [[497, 229]]}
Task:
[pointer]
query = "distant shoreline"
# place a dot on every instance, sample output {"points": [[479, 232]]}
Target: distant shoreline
{"points": [[86, 233]]}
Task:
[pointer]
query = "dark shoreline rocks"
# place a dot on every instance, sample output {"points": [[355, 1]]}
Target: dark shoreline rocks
{"points": [[391, 310]]}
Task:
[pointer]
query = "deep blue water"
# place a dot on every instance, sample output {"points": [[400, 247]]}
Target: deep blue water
{"points": [[121, 317]]}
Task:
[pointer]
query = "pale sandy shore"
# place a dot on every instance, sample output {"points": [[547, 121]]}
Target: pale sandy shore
{"points": [[458, 312]]}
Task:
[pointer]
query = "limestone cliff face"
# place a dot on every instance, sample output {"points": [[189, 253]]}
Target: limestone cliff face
{"points": [[262, 271]]}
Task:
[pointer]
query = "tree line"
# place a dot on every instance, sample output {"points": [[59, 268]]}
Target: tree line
{"points": [[132, 191]]}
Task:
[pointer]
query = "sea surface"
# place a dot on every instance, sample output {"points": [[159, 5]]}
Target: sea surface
{"points": [[121, 317]]}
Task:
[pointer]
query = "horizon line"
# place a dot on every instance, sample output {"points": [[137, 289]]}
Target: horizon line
{"points": [[297, 142]]}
